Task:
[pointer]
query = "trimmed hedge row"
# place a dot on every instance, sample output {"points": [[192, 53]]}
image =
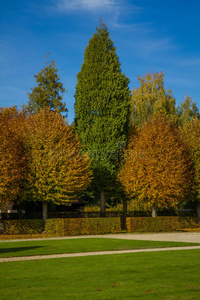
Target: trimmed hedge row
{"points": [[70, 227], [88, 226], [13, 227], [167, 224]]}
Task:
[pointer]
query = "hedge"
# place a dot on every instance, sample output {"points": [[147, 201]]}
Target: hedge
{"points": [[70, 227], [167, 224], [13, 227]]}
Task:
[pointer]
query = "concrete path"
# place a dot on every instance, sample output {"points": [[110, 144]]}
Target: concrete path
{"points": [[192, 237]]}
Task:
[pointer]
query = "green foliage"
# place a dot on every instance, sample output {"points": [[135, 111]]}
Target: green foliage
{"points": [[102, 107], [13, 227], [148, 224], [187, 111], [49, 91], [70, 227], [151, 98]]}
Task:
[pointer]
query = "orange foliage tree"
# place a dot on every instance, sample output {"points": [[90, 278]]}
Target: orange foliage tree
{"points": [[58, 171], [157, 169], [13, 157], [191, 135]]}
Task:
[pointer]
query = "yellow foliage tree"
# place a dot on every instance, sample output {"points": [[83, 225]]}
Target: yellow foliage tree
{"points": [[157, 169], [150, 99], [58, 171]]}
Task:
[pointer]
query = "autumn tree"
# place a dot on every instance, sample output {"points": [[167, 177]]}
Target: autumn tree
{"points": [[191, 135], [58, 171], [187, 110], [13, 156], [102, 100], [157, 169], [49, 91], [150, 99]]}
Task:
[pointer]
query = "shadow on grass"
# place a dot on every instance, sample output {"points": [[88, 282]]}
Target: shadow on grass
{"points": [[17, 249]]}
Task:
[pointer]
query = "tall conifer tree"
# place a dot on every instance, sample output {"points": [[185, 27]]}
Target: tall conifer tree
{"points": [[102, 108], [49, 91]]}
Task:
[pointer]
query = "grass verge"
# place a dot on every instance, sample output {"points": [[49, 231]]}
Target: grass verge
{"points": [[160, 275], [42, 247]]}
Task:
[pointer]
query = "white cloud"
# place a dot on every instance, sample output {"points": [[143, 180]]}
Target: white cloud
{"points": [[71, 5], [115, 9], [154, 46], [190, 62]]}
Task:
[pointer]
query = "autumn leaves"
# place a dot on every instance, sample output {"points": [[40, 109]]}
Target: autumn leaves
{"points": [[42, 157], [162, 176]]}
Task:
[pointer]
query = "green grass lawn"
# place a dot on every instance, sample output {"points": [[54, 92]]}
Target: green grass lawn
{"points": [[42, 247], [153, 275]]}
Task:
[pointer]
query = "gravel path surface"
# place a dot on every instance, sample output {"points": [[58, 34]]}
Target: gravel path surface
{"points": [[192, 237], [36, 257]]}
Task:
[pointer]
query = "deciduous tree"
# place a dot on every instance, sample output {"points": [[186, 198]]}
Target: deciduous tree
{"points": [[187, 111], [13, 156], [151, 98], [157, 169], [58, 171], [191, 135], [102, 108]]}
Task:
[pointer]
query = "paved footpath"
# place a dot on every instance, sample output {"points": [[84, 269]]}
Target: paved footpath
{"points": [[192, 237]]}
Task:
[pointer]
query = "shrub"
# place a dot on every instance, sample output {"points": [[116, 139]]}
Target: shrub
{"points": [[13, 227], [149, 224], [70, 227]]}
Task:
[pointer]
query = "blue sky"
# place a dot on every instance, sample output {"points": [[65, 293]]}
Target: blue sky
{"points": [[150, 36]]}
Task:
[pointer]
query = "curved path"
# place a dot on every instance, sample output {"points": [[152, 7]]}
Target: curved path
{"points": [[192, 237]]}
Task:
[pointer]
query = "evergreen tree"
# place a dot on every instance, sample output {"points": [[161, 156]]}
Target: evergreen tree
{"points": [[102, 108], [49, 91]]}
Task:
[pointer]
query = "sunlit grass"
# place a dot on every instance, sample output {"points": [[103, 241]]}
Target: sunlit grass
{"points": [[153, 275], [42, 247]]}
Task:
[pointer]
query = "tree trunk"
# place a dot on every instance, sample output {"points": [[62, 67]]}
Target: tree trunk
{"points": [[154, 211], [102, 204], [44, 212], [198, 211], [124, 214]]}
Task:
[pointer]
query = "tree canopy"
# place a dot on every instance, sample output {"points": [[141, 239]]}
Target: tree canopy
{"points": [[102, 101], [49, 91], [191, 135], [58, 171], [187, 110], [157, 170], [13, 156], [150, 99]]}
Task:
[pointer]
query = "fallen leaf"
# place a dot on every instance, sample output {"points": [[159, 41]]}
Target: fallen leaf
{"points": [[147, 291]]}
